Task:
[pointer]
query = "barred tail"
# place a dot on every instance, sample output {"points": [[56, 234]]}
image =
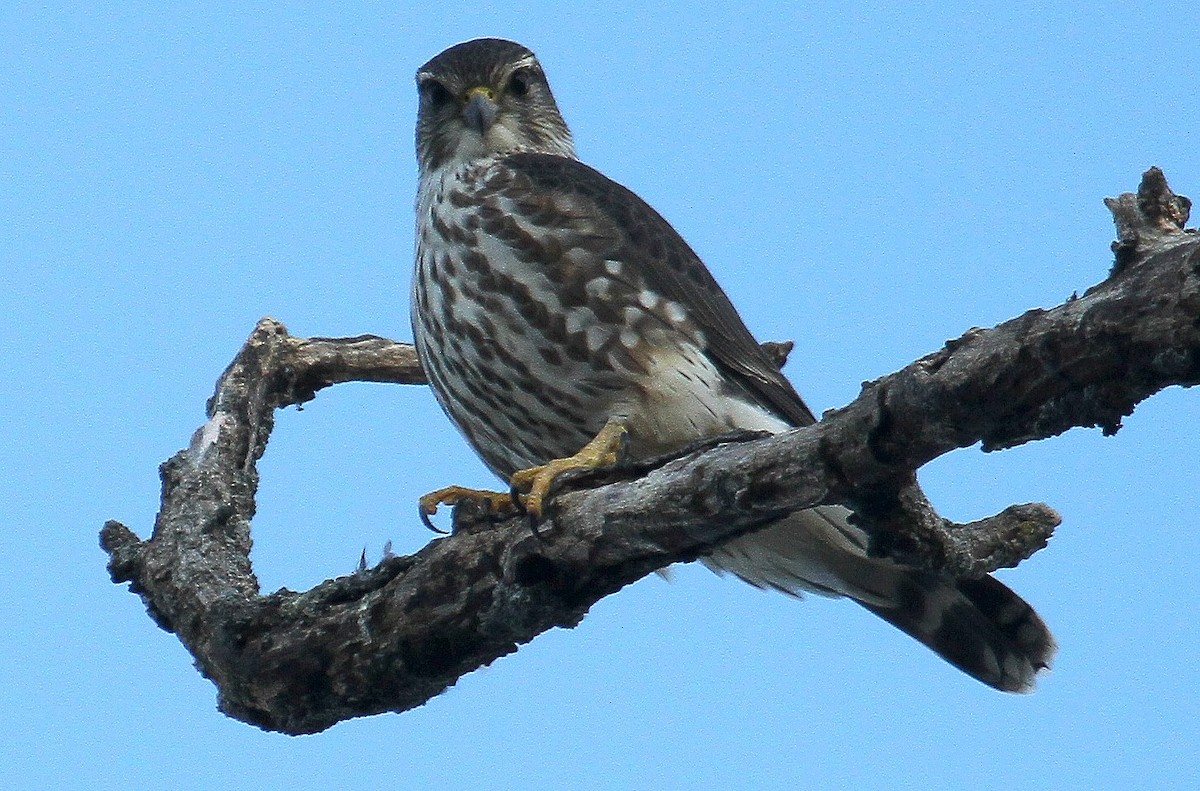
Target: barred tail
{"points": [[978, 625]]}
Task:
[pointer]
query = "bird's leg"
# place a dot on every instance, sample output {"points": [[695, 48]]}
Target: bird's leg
{"points": [[605, 449], [496, 502]]}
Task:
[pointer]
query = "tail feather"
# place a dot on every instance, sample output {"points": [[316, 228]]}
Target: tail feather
{"points": [[978, 625]]}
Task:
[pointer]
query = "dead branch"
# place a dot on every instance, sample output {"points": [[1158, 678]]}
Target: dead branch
{"points": [[390, 637]]}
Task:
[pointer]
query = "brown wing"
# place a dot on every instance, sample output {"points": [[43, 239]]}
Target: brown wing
{"points": [[651, 246]]}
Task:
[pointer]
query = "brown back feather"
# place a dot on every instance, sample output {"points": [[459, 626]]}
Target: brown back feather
{"points": [[656, 250]]}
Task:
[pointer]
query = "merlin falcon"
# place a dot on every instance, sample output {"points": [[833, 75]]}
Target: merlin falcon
{"points": [[562, 323]]}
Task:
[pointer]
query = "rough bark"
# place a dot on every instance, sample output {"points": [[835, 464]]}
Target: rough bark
{"points": [[390, 637]]}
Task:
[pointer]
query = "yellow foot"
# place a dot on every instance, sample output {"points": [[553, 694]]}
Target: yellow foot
{"points": [[496, 502], [604, 450]]}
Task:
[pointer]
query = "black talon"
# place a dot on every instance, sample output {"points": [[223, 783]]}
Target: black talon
{"points": [[429, 522], [515, 496], [622, 450], [533, 521]]}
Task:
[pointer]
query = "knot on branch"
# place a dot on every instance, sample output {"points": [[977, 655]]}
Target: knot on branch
{"points": [[123, 548], [1148, 219]]}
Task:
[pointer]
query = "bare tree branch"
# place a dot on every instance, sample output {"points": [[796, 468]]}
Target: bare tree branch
{"points": [[391, 637]]}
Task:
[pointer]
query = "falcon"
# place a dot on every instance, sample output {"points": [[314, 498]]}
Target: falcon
{"points": [[563, 324]]}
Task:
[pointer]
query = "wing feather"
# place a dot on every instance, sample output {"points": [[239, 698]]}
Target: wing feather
{"points": [[647, 243]]}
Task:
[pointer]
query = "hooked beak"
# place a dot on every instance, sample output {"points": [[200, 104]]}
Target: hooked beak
{"points": [[480, 111]]}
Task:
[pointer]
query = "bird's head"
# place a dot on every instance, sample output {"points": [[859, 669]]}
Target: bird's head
{"points": [[486, 97]]}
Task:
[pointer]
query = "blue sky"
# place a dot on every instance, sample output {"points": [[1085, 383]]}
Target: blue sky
{"points": [[868, 182]]}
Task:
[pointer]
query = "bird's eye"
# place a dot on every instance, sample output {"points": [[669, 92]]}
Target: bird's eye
{"points": [[435, 93], [518, 83]]}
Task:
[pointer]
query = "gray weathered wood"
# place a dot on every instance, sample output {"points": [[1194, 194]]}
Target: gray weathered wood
{"points": [[390, 637]]}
